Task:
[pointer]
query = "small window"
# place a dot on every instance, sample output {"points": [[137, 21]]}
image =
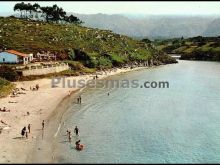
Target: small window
{"points": [[3, 59]]}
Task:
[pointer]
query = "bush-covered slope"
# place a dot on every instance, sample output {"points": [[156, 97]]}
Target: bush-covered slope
{"points": [[93, 47], [5, 87], [196, 48]]}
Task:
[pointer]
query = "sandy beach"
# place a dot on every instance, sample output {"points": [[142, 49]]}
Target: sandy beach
{"points": [[40, 104]]}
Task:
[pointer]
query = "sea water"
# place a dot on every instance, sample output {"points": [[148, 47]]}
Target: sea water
{"points": [[179, 124]]}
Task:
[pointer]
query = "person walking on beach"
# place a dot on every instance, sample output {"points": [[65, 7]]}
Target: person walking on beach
{"points": [[76, 130], [43, 125], [23, 132], [29, 128]]}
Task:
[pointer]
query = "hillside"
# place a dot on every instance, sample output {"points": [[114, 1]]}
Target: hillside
{"points": [[196, 48], [93, 47]]}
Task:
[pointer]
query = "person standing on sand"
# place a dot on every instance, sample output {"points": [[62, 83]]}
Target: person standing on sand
{"points": [[37, 87], [43, 125], [69, 135], [26, 134], [29, 128], [76, 130], [80, 99]]}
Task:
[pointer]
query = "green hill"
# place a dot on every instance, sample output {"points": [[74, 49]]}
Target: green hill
{"points": [[196, 48], [94, 48]]}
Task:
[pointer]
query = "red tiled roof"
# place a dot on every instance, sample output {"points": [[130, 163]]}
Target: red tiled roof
{"points": [[17, 53]]}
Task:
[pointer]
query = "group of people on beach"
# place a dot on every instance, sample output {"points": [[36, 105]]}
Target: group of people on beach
{"points": [[69, 135], [17, 91], [25, 131], [95, 77], [4, 110], [35, 88]]}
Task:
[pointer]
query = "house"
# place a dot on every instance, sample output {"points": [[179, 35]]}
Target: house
{"points": [[45, 56], [12, 56]]}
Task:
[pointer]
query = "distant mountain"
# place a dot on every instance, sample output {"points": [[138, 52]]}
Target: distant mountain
{"points": [[213, 29], [153, 26], [117, 23]]}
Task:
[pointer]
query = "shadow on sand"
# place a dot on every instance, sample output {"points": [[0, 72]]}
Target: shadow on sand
{"points": [[38, 129], [20, 138], [65, 141]]}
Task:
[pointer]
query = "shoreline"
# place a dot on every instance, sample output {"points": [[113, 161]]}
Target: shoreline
{"points": [[42, 105]]}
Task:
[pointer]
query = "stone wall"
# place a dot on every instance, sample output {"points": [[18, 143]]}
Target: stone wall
{"points": [[42, 70]]}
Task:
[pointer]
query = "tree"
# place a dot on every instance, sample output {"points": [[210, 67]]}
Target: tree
{"points": [[30, 8], [47, 13], [19, 7], [146, 40], [72, 19], [36, 8], [57, 13]]}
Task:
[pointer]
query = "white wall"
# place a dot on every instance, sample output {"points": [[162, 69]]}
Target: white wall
{"points": [[43, 71]]}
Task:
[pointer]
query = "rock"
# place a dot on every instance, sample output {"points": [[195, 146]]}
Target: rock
{"points": [[98, 36]]}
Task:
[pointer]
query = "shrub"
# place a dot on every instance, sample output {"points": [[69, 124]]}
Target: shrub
{"points": [[71, 54], [104, 62], [5, 87], [75, 65], [8, 73], [116, 59]]}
